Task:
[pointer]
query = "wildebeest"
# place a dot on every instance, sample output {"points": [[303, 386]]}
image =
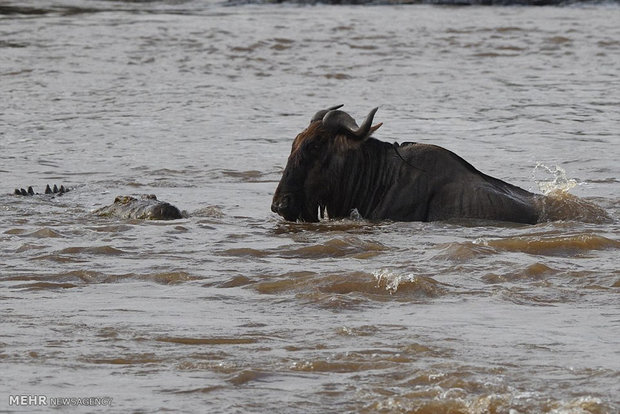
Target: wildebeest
{"points": [[336, 166]]}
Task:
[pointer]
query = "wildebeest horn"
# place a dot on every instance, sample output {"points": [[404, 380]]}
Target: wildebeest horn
{"points": [[319, 115], [341, 121]]}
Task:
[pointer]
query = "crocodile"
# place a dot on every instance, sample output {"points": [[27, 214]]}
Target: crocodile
{"points": [[147, 207], [48, 190]]}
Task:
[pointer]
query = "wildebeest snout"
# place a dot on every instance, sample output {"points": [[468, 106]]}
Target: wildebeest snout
{"points": [[281, 205]]}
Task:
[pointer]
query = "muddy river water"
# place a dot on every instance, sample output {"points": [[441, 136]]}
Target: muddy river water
{"points": [[232, 309]]}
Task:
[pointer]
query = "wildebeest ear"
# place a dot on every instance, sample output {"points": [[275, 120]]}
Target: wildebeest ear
{"points": [[341, 122]]}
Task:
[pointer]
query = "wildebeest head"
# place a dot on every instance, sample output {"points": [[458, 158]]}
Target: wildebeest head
{"points": [[316, 159]]}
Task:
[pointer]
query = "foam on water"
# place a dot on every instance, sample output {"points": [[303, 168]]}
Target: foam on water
{"points": [[559, 203], [552, 179], [411, 284], [390, 280]]}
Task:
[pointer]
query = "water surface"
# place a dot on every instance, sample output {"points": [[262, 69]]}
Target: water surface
{"points": [[234, 310]]}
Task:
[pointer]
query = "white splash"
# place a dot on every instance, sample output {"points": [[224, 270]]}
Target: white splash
{"points": [[552, 179], [581, 405], [391, 280]]}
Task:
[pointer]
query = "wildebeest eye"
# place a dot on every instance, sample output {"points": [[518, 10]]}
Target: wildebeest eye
{"points": [[314, 147]]}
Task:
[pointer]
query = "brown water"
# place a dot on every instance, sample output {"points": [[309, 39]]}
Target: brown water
{"points": [[234, 310]]}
